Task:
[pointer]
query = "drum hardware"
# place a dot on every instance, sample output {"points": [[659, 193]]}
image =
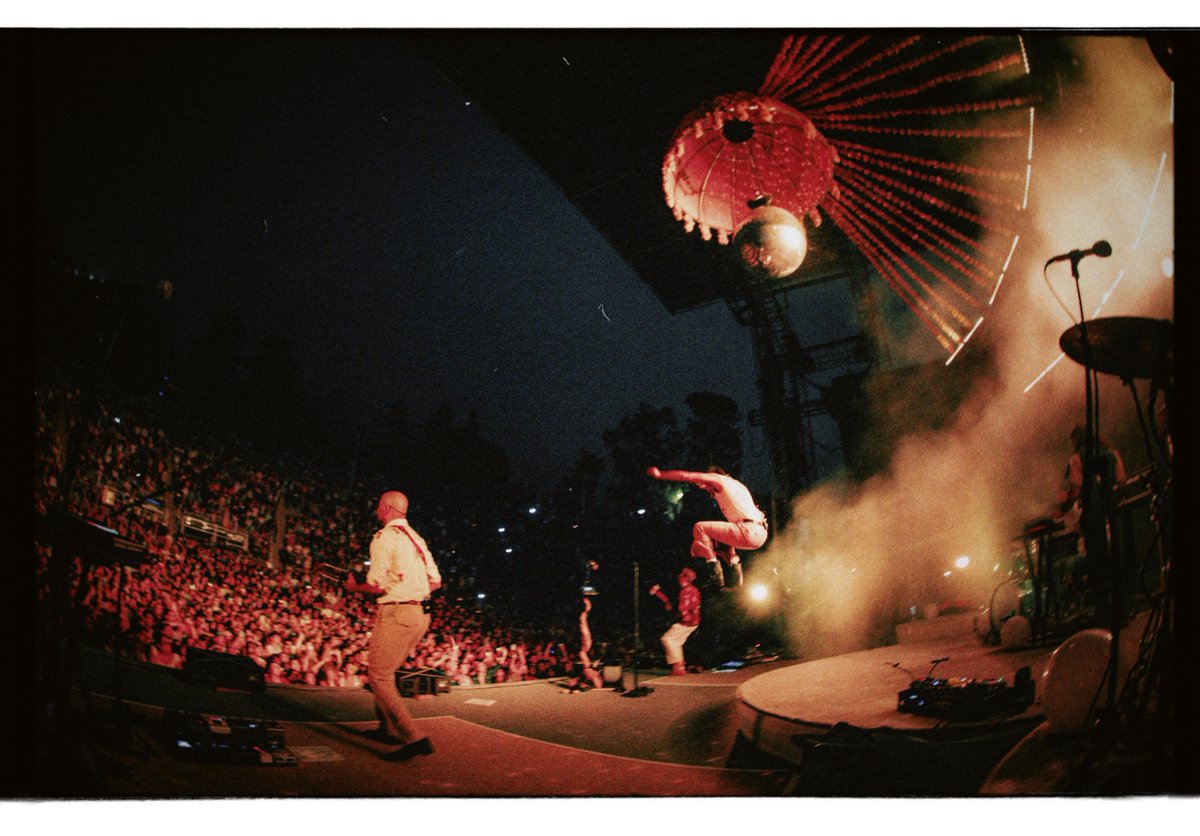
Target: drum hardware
{"points": [[1132, 348]]}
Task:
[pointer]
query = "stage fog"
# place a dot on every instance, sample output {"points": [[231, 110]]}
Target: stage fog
{"points": [[858, 557]]}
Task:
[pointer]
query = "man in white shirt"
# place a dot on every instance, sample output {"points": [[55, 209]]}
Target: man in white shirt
{"points": [[403, 574]]}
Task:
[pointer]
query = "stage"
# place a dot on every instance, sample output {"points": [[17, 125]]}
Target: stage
{"points": [[837, 720], [826, 727]]}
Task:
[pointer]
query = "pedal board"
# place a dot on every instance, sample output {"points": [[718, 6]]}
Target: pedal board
{"points": [[213, 739], [963, 698]]}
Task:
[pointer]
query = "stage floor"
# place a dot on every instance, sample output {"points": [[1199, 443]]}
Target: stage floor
{"points": [[861, 689], [772, 729]]}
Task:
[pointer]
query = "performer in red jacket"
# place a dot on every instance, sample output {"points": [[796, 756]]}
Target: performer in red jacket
{"points": [[687, 619]]}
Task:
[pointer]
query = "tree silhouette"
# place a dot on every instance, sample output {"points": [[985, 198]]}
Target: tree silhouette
{"points": [[648, 436], [713, 433]]}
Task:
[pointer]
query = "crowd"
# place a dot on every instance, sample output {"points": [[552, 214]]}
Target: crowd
{"points": [[293, 615]]}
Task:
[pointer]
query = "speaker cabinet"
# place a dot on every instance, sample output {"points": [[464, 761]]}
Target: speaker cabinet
{"points": [[222, 670]]}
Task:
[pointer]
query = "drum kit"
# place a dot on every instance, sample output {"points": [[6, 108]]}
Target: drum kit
{"points": [[1046, 584], [1049, 586], [1132, 349]]}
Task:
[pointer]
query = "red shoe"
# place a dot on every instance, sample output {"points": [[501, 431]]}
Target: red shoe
{"points": [[678, 669]]}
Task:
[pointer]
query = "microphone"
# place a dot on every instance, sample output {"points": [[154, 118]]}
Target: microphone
{"points": [[1101, 248]]}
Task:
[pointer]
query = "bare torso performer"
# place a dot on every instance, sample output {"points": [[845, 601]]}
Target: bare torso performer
{"points": [[744, 527]]}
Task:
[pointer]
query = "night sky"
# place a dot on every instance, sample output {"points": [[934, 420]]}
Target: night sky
{"points": [[334, 189]]}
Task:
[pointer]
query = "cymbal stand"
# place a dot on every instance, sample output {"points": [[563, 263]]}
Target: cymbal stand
{"points": [[1150, 676], [1095, 486]]}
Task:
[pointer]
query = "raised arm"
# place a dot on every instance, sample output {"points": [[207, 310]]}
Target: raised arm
{"points": [[585, 631], [657, 592], [708, 481]]}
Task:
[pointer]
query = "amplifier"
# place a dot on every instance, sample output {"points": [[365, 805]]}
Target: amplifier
{"points": [[423, 682]]}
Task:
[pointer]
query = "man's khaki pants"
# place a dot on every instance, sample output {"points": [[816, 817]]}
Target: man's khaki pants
{"points": [[397, 630]]}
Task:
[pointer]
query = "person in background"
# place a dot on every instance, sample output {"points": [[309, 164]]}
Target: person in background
{"points": [[1085, 501], [687, 619]]}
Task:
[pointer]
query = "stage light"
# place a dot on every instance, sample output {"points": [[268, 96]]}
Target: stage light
{"points": [[947, 573], [480, 596], [532, 510], [758, 592], [508, 550], [501, 530], [962, 562], [641, 512]]}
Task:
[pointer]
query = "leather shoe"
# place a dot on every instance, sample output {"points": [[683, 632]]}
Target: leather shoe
{"points": [[408, 751], [737, 574], [716, 577]]}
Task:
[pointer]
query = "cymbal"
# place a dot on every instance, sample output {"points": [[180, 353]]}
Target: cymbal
{"points": [[1129, 347]]}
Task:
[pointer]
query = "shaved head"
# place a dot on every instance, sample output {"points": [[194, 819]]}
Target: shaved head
{"points": [[392, 505]]}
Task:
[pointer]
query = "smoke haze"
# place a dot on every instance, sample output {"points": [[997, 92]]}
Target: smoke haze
{"points": [[857, 557]]}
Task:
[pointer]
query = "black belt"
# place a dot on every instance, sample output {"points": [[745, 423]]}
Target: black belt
{"points": [[424, 605]]}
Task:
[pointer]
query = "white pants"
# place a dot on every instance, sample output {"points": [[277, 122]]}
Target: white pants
{"points": [[740, 535], [674, 639]]}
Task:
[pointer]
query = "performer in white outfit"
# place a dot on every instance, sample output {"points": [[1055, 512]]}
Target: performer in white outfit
{"points": [[744, 527]]}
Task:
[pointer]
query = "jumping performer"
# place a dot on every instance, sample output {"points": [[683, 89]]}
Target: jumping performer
{"points": [[745, 526]]}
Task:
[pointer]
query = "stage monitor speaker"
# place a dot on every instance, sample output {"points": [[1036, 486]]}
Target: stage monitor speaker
{"points": [[97, 544], [222, 670], [426, 681]]}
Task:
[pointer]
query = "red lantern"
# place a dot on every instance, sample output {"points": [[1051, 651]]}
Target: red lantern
{"points": [[736, 151], [883, 135]]}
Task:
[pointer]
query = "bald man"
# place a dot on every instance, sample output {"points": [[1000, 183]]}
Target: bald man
{"points": [[403, 574]]}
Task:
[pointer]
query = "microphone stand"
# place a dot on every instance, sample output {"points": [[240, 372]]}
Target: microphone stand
{"points": [[1100, 551], [637, 641]]}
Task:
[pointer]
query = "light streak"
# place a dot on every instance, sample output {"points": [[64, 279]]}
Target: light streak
{"points": [[963, 344], [1045, 372], [1003, 270], [1162, 161]]}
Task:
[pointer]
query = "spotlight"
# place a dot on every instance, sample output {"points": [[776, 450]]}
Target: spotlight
{"points": [[758, 592], [963, 562]]}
